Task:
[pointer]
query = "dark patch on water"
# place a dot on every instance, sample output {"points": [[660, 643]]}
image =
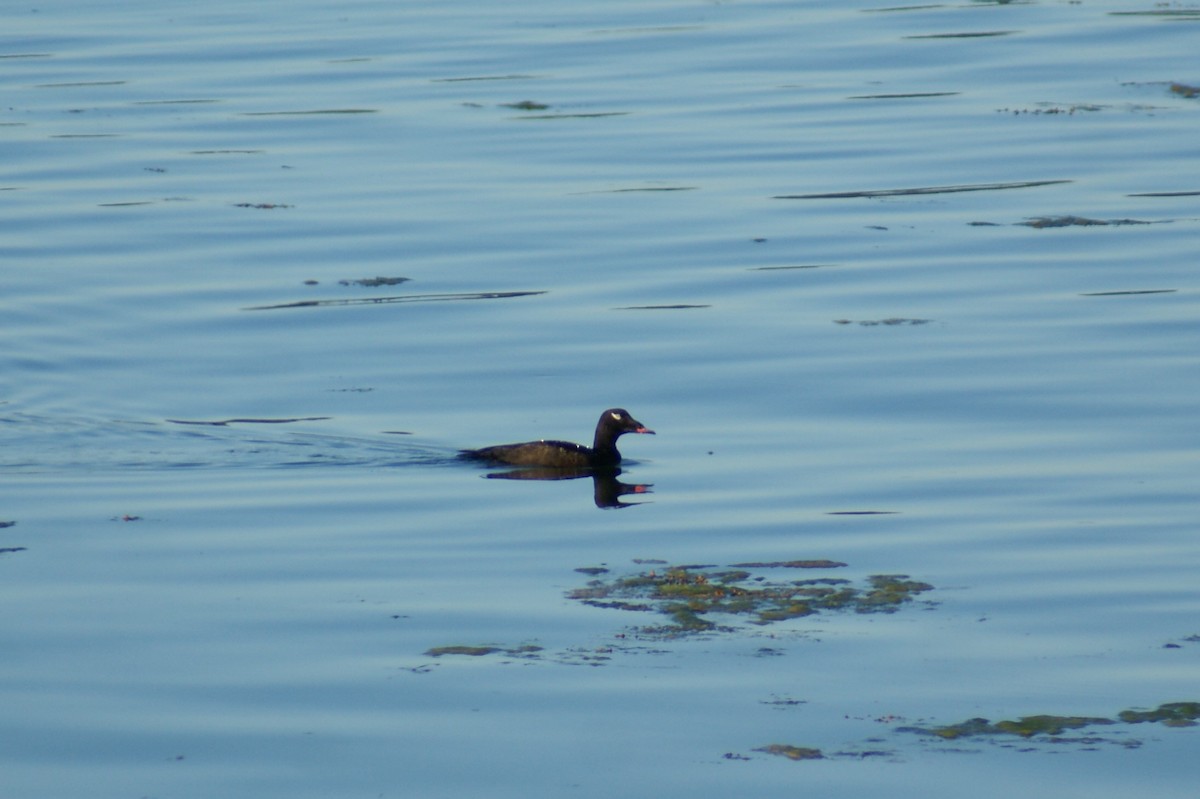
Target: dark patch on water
{"points": [[526, 105], [1077, 221], [967, 35], [479, 295], [1051, 109], [783, 701], [375, 282], [583, 115], [920, 190], [470, 78], [1125, 293], [310, 112], [1159, 12], [902, 96], [894, 321], [679, 307], [78, 84]]}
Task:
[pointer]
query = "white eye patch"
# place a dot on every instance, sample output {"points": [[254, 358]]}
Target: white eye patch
{"points": [[616, 416]]}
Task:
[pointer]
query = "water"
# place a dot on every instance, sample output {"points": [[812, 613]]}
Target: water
{"points": [[239, 532]]}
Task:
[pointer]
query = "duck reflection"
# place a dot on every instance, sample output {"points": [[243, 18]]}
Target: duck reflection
{"points": [[607, 490]]}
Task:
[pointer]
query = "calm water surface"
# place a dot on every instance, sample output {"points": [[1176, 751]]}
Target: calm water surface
{"points": [[908, 288]]}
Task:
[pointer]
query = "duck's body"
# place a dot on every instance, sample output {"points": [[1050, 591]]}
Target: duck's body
{"points": [[563, 454]]}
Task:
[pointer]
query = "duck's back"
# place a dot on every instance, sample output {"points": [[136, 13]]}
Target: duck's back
{"points": [[557, 454]]}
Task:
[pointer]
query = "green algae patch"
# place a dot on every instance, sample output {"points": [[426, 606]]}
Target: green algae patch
{"points": [[472, 651], [524, 650], [888, 592], [792, 752], [690, 595], [1025, 727], [1171, 714]]}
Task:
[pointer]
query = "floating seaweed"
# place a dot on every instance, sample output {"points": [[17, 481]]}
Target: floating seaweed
{"points": [[792, 752], [1077, 221], [1051, 727], [689, 595], [524, 650]]}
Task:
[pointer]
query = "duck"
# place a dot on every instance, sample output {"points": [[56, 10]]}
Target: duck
{"points": [[603, 454]]}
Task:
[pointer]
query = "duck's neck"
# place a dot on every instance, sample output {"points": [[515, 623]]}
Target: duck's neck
{"points": [[605, 447]]}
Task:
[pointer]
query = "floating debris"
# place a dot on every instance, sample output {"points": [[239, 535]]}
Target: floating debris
{"points": [[1171, 714], [1183, 90], [1077, 221], [792, 752], [783, 701], [375, 282], [1051, 109], [471, 651], [1026, 726], [687, 595], [478, 651]]}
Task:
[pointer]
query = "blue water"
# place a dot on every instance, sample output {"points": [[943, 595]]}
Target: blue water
{"points": [[239, 523]]}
